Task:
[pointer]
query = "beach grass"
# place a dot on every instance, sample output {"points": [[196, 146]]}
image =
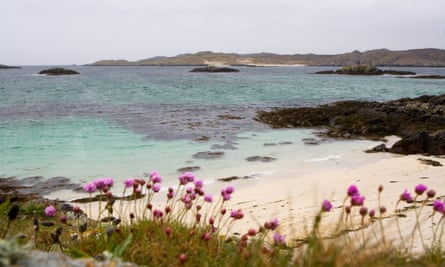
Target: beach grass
{"points": [[193, 229]]}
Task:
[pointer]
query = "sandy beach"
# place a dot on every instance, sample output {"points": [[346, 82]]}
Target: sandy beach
{"points": [[296, 200]]}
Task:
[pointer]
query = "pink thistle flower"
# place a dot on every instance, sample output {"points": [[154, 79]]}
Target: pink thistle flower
{"points": [[182, 258], [251, 232], [156, 187], [272, 225], [382, 210], [50, 211], [199, 183], [108, 181], [170, 195], [155, 177], [326, 206], [352, 190], [167, 210], [129, 182], [279, 239], [372, 213], [157, 214], [348, 209], [406, 196], [419, 189], [90, 188], [380, 189], [99, 183], [438, 206], [168, 230], [206, 236], [208, 198], [211, 220], [226, 197], [63, 219], [431, 193], [357, 200], [189, 190], [229, 189], [236, 214], [363, 211]]}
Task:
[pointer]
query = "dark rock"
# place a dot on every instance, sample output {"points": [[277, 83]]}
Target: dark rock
{"points": [[364, 70], [430, 162], [214, 69], [260, 158], [428, 77], [232, 178], [325, 72], [33, 187], [209, 155], [378, 148], [58, 71], [8, 67], [311, 141], [202, 138], [189, 169], [269, 144], [421, 143], [406, 117], [398, 72]]}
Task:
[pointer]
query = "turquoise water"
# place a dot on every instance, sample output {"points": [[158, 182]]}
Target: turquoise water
{"points": [[127, 121]]}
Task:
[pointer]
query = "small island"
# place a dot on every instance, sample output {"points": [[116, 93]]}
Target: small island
{"points": [[214, 69], [8, 67], [58, 71], [364, 70]]}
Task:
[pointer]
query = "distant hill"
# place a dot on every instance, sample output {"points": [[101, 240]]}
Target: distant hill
{"points": [[381, 57]]}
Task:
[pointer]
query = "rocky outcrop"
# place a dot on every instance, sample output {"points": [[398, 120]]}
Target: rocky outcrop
{"points": [[419, 121], [214, 69], [428, 77], [8, 67], [58, 71], [364, 70]]}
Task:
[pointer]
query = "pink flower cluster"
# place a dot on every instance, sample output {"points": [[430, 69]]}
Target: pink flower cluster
{"points": [[101, 184]]}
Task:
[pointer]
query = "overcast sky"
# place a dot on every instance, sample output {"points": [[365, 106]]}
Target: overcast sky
{"points": [[83, 31]]}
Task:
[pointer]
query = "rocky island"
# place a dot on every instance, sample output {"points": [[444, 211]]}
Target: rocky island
{"points": [[364, 70], [58, 71], [420, 122], [8, 67]]}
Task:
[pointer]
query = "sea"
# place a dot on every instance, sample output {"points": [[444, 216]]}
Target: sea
{"points": [[125, 122]]}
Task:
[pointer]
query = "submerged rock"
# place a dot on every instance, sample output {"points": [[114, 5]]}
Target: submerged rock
{"points": [[260, 158], [58, 71], [209, 155]]}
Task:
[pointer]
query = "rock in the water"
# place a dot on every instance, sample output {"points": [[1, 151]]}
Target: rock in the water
{"points": [[189, 169], [428, 77], [214, 69], [260, 158], [378, 148], [209, 155], [431, 162], [58, 71], [364, 70], [8, 67]]}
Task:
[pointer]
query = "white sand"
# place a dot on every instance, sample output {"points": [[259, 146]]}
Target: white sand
{"points": [[295, 200]]}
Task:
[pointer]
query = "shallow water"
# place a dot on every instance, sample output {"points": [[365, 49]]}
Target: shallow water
{"points": [[127, 121]]}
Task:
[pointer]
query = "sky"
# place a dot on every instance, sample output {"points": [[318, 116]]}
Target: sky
{"points": [[64, 32]]}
